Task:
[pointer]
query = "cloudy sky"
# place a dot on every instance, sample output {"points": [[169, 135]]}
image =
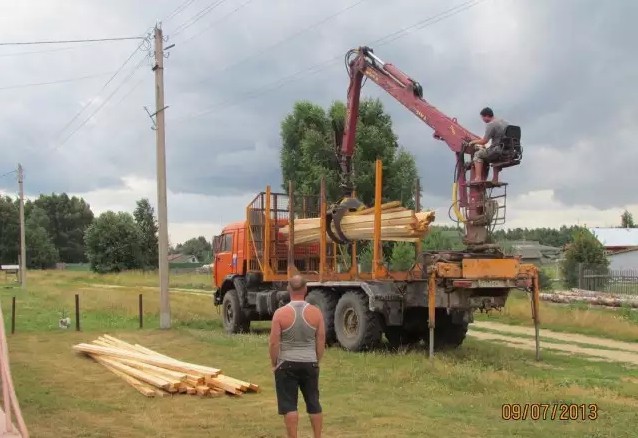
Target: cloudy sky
{"points": [[566, 71]]}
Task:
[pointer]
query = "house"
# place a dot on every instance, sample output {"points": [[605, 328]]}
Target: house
{"points": [[531, 251], [182, 258], [616, 239], [624, 260]]}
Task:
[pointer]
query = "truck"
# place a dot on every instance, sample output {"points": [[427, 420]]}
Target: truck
{"points": [[434, 301]]}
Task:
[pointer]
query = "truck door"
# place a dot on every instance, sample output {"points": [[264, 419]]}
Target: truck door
{"points": [[224, 257]]}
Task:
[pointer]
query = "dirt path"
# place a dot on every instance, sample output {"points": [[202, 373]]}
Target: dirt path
{"points": [[615, 351], [567, 337]]}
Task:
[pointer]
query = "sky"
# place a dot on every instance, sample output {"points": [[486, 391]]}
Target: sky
{"points": [[564, 71]]}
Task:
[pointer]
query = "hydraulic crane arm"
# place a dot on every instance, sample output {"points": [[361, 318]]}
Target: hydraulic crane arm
{"points": [[480, 208]]}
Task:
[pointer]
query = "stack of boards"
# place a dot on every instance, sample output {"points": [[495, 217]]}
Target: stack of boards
{"points": [[398, 224], [156, 375]]}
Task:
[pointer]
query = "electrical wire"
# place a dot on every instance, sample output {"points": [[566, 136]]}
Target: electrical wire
{"points": [[98, 108], [61, 81], [36, 52], [178, 10], [91, 40], [195, 18], [286, 39], [316, 68], [8, 173], [106, 84], [223, 18]]}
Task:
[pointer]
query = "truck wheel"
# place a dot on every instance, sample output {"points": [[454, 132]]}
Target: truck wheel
{"points": [[233, 316], [357, 328], [398, 337], [447, 335], [326, 301]]}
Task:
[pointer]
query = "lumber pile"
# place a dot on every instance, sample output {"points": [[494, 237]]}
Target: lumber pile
{"points": [[591, 297], [398, 224], [157, 375]]}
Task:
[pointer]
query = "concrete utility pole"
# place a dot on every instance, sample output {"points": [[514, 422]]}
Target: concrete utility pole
{"points": [[23, 245], [162, 215]]}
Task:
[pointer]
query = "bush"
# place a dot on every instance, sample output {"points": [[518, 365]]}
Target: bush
{"points": [[403, 257], [544, 280]]}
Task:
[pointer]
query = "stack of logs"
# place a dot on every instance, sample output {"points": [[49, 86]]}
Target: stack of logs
{"points": [[398, 224], [156, 375]]}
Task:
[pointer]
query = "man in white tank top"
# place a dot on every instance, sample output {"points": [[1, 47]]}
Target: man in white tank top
{"points": [[297, 343]]}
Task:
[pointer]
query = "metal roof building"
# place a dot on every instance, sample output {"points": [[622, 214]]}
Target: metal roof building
{"points": [[616, 239]]}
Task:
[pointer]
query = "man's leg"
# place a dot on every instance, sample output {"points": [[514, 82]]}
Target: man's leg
{"points": [[309, 386], [287, 389], [291, 420]]}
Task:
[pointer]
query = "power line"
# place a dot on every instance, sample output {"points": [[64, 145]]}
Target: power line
{"points": [[106, 84], [223, 18], [92, 40], [8, 173], [98, 108], [36, 52], [178, 10], [194, 19], [61, 81], [286, 38], [315, 68]]}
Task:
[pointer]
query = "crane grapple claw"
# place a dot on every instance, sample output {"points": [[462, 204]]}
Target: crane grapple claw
{"points": [[336, 213]]}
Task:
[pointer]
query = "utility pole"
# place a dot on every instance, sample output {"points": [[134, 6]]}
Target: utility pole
{"points": [[23, 245], [162, 215]]}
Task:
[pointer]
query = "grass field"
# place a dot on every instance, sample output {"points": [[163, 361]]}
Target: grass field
{"points": [[376, 394]]}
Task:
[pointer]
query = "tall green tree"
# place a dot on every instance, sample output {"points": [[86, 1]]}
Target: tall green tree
{"points": [[113, 243], [41, 252], [198, 247], [9, 231], [627, 220], [584, 250], [145, 218], [69, 218], [309, 152]]}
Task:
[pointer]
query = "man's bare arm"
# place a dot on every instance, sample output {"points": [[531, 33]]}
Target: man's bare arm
{"points": [[320, 337], [275, 339]]}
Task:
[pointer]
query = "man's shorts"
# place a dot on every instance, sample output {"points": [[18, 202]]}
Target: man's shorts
{"points": [[290, 377], [480, 153]]}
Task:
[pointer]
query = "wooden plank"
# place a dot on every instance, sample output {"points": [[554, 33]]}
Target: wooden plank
{"points": [[202, 390], [215, 382], [215, 393], [137, 374], [153, 369], [191, 391], [243, 386], [140, 386]]}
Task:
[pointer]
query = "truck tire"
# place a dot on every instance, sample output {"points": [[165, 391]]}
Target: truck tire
{"points": [[326, 301], [357, 328], [399, 337], [447, 335], [233, 316]]}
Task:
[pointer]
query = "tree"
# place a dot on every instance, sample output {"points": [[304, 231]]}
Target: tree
{"points": [[69, 218], [41, 252], [145, 219], [403, 256], [308, 152], [441, 239], [198, 247], [585, 249], [627, 220], [113, 243], [9, 231]]}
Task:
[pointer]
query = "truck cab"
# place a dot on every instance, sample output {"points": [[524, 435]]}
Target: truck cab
{"points": [[228, 252]]}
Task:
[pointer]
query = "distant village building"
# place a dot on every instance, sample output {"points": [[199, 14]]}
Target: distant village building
{"points": [[624, 260], [616, 239], [182, 258], [531, 251]]}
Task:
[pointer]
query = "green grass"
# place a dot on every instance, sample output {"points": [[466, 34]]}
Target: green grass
{"points": [[376, 394]]}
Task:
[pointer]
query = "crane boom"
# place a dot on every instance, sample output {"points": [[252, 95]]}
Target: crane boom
{"points": [[473, 203]]}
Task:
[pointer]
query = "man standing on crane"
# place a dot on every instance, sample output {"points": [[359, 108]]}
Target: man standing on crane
{"points": [[494, 130], [297, 342]]}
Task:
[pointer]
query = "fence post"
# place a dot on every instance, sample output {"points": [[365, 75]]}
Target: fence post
{"points": [[77, 312], [580, 276], [141, 309], [13, 315]]}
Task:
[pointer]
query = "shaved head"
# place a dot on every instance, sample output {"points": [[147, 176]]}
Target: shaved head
{"points": [[297, 286]]}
